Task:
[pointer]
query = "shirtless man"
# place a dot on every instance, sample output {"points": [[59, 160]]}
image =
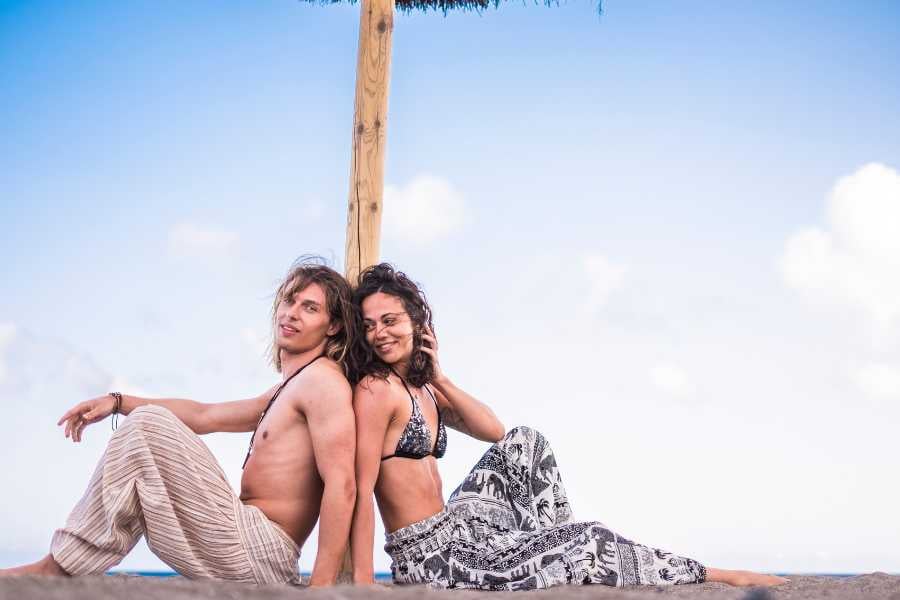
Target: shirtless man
{"points": [[157, 478]]}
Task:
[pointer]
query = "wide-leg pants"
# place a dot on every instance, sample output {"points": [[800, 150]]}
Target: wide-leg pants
{"points": [[509, 526], [157, 478]]}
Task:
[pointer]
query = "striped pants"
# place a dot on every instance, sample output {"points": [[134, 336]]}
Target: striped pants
{"points": [[157, 478]]}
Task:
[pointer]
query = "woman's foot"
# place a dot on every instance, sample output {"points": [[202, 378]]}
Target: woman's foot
{"points": [[744, 578], [46, 566]]}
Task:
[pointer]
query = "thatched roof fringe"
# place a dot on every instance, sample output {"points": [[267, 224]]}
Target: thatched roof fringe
{"points": [[447, 5]]}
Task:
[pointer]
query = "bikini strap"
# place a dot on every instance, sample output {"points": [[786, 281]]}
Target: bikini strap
{"points": [[406, 387], [433, 397], [437, 408]]}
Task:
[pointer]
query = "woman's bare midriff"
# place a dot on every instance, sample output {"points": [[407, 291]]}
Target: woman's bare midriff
{"points": [[408, 490]]}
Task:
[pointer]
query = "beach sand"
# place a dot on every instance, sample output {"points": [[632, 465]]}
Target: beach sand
{"points": [[124, 587]]}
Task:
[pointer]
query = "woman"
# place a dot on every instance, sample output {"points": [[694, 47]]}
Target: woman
{"points": [[508, 526]]}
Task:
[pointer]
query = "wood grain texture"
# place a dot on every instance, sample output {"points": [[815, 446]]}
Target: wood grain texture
{"points": [[373, 78], [373, 71]]}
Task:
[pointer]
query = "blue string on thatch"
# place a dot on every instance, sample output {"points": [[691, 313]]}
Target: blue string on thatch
{"points": [[446, 5]]}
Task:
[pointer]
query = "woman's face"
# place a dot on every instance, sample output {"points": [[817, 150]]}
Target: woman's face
{"points": [[389, 329]]}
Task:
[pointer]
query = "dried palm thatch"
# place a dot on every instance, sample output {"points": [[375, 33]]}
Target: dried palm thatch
{"points": [[446, 5]]}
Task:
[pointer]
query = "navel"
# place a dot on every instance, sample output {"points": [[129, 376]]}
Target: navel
{"points": [[265, 434]]}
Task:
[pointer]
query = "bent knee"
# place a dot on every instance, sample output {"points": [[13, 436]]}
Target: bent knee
{"points": [[150, 414], [523, 431]]}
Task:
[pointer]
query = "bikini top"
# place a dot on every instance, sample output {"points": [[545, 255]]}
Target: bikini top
{"points": [[415, 441], [272, 401]]}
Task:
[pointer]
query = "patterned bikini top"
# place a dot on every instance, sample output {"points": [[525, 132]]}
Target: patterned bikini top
{"points": [[415, 441]]}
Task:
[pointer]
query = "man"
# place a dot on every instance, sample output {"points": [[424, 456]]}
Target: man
{"points": [[157, 478]]}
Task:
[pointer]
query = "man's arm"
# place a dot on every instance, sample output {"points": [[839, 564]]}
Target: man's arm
{"points": [[373, 415], [327, 405], [239, 415]]}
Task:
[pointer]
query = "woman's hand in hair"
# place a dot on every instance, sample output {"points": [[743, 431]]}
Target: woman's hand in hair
{"points": [[430, 347]]}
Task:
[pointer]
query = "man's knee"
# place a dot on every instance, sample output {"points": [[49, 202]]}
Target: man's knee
{"points": [[150, 415]]}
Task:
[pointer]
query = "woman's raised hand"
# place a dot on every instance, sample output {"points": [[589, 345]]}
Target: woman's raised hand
{"points": [[84, 413], [430, 346]]}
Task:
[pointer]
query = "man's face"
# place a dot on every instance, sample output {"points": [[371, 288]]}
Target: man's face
{"points": [[302, 321]]}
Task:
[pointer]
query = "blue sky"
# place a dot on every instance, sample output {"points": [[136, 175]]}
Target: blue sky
{"points": [[638, 213]]}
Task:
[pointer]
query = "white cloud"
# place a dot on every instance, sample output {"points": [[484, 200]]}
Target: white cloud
{"points": [[854, 260], [604, 278], [75, 374], [879, 381], [671, 379], [426, 209], [7, 334], [192, 240]]}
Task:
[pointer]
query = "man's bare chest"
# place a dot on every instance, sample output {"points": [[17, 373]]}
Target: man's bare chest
{"points": [[281, 435]]}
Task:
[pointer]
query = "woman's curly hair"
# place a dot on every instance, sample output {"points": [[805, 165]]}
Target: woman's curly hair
{"points": [[386, 279]]}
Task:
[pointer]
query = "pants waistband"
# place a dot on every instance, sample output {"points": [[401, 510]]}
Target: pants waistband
{"points": [[273, 554], [420, 538]]}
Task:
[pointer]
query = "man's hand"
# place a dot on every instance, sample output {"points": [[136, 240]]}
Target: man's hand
{"points": [[84, 413]]}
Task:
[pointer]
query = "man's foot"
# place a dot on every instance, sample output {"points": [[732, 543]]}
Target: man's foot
{"points": [[46, 566], [744, 578]]}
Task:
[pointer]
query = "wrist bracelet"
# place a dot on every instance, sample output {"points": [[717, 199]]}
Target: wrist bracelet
{"points": [[116, 409]]}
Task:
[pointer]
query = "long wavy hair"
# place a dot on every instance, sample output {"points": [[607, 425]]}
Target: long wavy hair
{"points": [[340, 347], [386, 279]]}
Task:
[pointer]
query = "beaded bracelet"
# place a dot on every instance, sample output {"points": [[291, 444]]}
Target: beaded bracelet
{"points": [[118, 407]]}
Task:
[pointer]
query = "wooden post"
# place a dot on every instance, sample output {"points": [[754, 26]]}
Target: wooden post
{"points": [[373, 70], [373, 77]]}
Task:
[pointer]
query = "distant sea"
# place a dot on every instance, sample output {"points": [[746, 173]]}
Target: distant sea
{"points": [[386, 577], [378, 576]]}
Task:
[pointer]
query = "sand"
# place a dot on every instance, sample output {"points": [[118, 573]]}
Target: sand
{"points": [[123, 587]]}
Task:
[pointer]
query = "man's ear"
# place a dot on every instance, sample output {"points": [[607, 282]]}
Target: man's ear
{"points": [[333, 329]]}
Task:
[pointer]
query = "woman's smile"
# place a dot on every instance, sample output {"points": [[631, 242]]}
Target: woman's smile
{"points": [[384, 347]]}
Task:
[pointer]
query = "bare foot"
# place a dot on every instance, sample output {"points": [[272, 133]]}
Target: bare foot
{"points": [[46, 566], [744, 578]]}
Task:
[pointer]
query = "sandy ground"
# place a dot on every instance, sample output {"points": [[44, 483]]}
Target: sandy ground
{"points": [[122, 587]]}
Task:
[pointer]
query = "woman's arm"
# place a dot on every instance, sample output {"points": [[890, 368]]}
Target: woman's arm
{"points": [[460, 410], [373, 410], [465, 413]]}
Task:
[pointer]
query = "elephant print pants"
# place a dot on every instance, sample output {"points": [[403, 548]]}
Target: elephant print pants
{"points": [[509, 527]]}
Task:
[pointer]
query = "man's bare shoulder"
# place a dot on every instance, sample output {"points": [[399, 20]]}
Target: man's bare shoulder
{"points": [[323, 380]]}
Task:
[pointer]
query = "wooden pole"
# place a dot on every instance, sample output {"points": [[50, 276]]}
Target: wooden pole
{"points": [[373, 78], [373, 71]]}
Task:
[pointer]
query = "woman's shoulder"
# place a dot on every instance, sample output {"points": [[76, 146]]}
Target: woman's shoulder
{"points": [[375, 397], [374, 386]]}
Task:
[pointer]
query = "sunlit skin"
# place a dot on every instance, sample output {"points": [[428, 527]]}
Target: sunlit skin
{"points": [[283, 476], [302, 459], [392, 339], [409, 490]]}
